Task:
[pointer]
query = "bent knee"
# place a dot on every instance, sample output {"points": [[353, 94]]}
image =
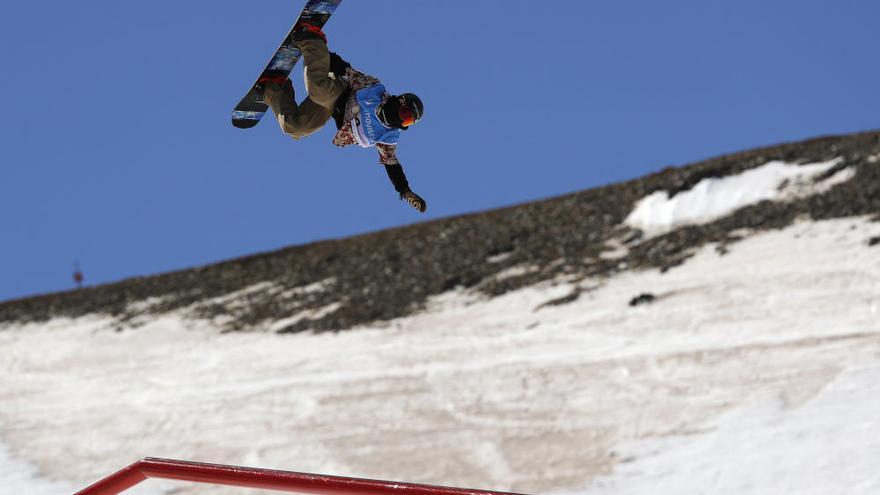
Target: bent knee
{"points": [[295, 130], [325, 91]]}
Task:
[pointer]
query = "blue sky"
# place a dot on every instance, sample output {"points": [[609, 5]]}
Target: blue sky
{"points": [[118, 151]]}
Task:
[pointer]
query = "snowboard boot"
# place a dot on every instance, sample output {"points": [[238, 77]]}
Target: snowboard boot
{"points": [[305, 30], [271, 83]]}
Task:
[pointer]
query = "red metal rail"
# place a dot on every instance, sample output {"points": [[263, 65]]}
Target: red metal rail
{"points": [[267, 479]]}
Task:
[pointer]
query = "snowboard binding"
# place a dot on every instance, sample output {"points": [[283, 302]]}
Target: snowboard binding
{"points": [[305, 29], [260, 87]]}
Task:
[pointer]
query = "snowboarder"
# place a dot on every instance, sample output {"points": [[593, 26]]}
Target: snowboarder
{"points": [[364, 112]]}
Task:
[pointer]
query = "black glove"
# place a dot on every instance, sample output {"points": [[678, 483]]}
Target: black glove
{"points": [[415, 201], [338, 66]]}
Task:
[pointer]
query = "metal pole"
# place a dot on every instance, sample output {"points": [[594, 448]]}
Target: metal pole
{"points": [[313, 484]]}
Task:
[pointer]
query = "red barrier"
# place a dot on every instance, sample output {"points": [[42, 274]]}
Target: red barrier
{"points": [[267, 479]]}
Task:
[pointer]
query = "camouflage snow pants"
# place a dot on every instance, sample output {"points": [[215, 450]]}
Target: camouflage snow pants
{"points": [[299, 121]]}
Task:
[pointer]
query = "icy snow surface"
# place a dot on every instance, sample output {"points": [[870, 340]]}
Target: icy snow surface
{"points": [[716, 198], [756, 372]]}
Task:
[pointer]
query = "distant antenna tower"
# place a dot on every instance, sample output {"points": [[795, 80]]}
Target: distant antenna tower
{"points": [[77, 276]]}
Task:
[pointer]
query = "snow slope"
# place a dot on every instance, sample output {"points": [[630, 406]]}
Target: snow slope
{"points": [[754, 372]]}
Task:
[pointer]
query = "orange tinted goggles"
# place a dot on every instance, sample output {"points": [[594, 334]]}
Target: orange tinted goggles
{"points": [[407, 116]]}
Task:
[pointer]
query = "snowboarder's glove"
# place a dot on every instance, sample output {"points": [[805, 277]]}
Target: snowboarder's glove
{"points": [[415, 201], [338, 66]]}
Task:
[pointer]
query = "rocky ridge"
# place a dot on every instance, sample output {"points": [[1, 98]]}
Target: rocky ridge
{"points": [[339, 284]]}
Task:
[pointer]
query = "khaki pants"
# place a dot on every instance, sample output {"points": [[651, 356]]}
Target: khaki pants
{"points": [[299, 121]]}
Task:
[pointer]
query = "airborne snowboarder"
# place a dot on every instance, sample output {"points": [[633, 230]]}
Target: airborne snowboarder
{"points": [[364, 112]]}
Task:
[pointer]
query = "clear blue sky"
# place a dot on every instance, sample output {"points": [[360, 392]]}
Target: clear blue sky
{"points": [[117, 149]]}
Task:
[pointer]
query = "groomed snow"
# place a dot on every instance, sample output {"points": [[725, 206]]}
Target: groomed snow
{"points": [[756, 372], [752, 450], [19, 477], [716, 198]]}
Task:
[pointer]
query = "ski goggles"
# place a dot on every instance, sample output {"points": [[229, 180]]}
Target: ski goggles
{"points": [[406, 114]]}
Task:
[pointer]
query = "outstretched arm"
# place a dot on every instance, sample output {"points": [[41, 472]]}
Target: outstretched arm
{"points": [[387, 155]]}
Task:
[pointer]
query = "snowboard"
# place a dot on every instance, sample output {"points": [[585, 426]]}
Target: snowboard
{"points": [[251, 108]]}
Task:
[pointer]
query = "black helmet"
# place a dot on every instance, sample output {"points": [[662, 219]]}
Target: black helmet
{"points": [[410, 103], [401, 111]]}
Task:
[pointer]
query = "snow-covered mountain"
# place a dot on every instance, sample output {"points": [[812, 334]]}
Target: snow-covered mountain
{"points": [[713, 328]]}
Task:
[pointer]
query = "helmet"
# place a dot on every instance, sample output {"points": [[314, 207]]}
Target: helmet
{"points": [[411, 109], [401, 111]]}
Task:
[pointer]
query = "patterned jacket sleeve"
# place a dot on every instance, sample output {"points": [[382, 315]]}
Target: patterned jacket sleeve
{"points": [[387, 154]]}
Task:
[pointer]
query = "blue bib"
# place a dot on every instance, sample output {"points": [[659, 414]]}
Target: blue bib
{"points": [[370, 130]]}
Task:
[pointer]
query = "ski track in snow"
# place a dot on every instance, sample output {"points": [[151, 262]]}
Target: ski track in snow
{"points": [[756, 372]]}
